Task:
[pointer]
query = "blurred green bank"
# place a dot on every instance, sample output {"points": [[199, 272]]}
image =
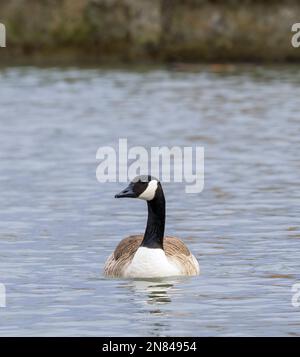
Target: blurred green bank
{"points": [[150, 30]]}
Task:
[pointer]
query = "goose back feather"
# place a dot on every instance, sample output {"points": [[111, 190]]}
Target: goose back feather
{"points": [[176, 251]]}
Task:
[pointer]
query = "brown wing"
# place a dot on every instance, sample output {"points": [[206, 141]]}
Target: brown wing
{"points": [[179, 253], [174, 248], [122, 256]]}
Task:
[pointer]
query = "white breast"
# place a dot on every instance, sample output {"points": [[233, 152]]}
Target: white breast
{"points": [[150, 263]]}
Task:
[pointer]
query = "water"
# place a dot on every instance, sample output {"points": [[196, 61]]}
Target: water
{"points": [[58, 224]]}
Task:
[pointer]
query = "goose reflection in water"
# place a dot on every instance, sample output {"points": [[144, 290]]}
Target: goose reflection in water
{"points": [[158, 291]]}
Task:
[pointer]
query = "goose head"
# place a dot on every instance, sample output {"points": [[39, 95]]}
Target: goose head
{"points": [[144, 187]]}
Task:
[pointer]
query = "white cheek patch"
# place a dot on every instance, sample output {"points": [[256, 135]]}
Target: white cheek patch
{"points": [[149, 193]]}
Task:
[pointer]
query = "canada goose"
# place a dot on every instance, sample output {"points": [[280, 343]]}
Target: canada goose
{"points": [[150, 255]]}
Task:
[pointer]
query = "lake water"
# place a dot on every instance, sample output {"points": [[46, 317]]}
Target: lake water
{"points": [[58, 223]]}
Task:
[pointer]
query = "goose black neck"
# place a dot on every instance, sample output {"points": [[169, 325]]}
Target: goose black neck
{"points": [[155, 229]]}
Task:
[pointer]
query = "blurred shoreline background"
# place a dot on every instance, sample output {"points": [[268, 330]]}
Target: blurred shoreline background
{"points": [[156, 31]]}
